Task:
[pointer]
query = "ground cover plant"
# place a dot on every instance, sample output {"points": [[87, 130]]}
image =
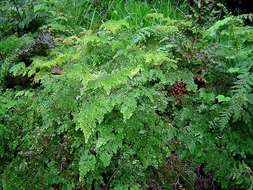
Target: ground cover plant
{"points": [[125, 95]]}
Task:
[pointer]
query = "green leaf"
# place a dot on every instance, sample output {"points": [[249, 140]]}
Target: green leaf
{"points": [[128, 107], [87, 163], [93, 113], [233, 70], [105, 158], [115, 26], [222, 98], [250, 99], [18, 69]]}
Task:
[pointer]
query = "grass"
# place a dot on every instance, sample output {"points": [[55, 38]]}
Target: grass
{"points": [[135, 11], [90, 13]]}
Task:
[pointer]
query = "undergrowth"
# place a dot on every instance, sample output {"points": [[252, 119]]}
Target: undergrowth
{"points": [[145, 100]]}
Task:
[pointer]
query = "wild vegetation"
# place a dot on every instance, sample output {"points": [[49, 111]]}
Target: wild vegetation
{"points": [[125, 94]]}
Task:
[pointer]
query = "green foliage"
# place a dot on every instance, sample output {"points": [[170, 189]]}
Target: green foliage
{"points": [[110, 107], [222, 130], [207, 10], [21, 16], [112, 101], [9, 45]]}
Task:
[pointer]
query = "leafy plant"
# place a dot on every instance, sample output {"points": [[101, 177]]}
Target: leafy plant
{"points": [[216, 128], [142, 101], [21, 16]]}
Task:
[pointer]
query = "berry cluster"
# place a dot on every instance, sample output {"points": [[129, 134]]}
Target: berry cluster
{"points": [[178, 89]]}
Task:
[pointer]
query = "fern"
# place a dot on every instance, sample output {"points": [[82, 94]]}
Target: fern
{"points": [[115, 26], [110, 107], [216, 126]]}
